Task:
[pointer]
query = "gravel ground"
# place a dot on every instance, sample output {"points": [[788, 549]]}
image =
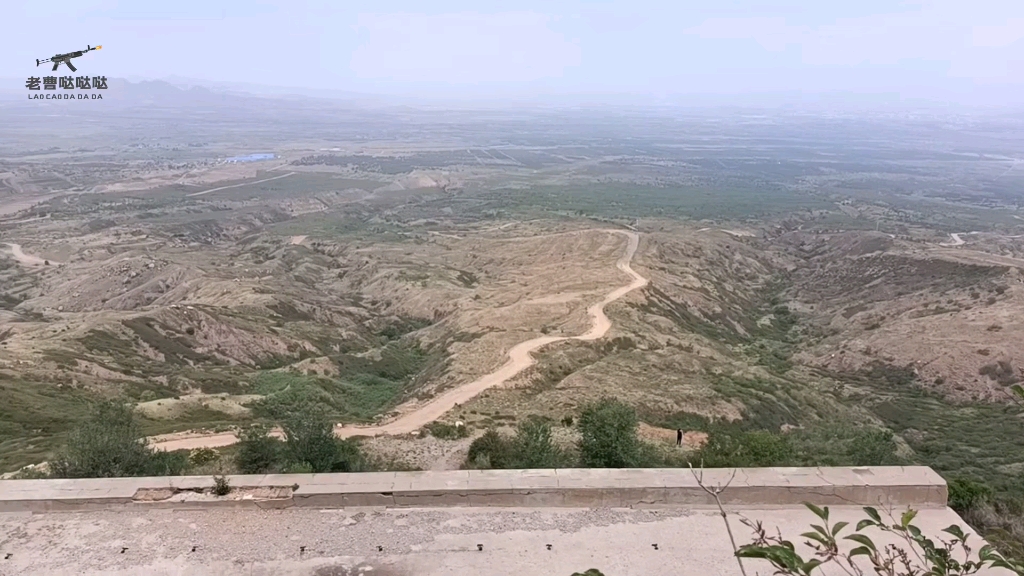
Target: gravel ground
{"points": [[425, 453]]}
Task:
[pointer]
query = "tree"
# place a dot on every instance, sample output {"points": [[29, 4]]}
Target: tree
{"points": [[258, 451], [609, 436], [309, 439], [491, 450], [533, 447], [873, 448], [109, 444]]}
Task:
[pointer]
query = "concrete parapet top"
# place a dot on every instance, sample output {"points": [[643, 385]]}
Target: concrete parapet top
{"points": [[919, 487]]}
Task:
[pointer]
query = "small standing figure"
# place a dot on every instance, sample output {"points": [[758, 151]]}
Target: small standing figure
{"points": [[679, 437]]}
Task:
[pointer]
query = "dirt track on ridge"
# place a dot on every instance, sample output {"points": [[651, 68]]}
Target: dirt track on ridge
{"points": [[26, 258], [519, 358]]}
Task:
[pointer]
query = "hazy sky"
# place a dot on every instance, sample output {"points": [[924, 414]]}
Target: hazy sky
{"points": [[964, 50]]}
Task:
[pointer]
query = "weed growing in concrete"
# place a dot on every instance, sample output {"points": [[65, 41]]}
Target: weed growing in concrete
{"points": [[221, 487]]}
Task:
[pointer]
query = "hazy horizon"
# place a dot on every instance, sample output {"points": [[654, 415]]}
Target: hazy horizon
{"points": [[741, 50]]}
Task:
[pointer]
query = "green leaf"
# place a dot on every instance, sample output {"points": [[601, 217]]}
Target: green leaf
{"points": [[987, 552], [820, 530], [751, 551], [863, 540], [823, 514], [914, 530], [873, 514], [777, 555], [811, 565], [816, 537], [839, 526], [865, 523], [860, 551], [908, 516], [955, 531]]}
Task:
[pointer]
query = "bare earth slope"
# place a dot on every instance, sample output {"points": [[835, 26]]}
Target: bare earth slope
{"points": [[519, 359]]}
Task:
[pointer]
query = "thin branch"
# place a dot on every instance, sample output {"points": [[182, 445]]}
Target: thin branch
{"points": [[715, 493]]}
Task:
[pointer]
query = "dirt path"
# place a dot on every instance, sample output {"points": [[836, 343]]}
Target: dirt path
{"points": [[27, 258], [957, 240], [519, 359], [238, 185]]}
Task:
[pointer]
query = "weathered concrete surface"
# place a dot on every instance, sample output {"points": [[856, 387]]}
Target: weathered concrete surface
{"points": [[919, 487], [413, 541]]}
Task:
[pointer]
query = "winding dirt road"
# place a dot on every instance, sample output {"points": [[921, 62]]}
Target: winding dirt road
{"points": [[519, 358], [26, 258]]}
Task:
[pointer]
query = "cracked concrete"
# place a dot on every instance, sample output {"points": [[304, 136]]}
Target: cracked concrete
{"points": [[399, 542], [919, 487]]}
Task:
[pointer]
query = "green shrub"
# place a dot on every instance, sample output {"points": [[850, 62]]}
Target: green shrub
{"points": [[221, 487], [348, 457], [965, 494], [609, 436], [758, 448], [873, 448], [166, 463], [110, 444], [491, 450], [297, 468], [201, 456], [447, 431], [532, 446], [309, 439], [258, 451]]}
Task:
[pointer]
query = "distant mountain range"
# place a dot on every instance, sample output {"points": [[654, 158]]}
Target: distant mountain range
{"points": [[179, 90]]}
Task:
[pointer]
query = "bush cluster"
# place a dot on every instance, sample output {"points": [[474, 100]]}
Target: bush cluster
{"points": [[110, 444], [530, 447], [447, 431], [309, 446]]}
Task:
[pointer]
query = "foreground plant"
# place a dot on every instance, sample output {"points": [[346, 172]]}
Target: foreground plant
{"points": [[919, 555]]}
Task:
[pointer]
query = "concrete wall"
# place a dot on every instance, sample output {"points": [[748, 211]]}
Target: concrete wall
{"points": [[917, 487]]}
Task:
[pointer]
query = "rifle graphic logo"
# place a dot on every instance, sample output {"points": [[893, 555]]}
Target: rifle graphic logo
{"points": [[66, 58]]}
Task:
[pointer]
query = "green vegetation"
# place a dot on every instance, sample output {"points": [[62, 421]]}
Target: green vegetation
{"points": [[915, 555], [727, 199], [110, 444], [310, 444], [609, 439], [35, 418], [221, 487], [531, 447], [446, 431], [362, 390], [609, 436], [258, 451], [820, 444]]}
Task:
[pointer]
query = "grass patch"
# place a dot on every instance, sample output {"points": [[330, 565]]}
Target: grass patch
{"points": [[364, 388], [34, 417]]}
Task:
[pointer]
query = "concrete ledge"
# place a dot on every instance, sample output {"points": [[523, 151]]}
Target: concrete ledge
{"points": [[883, 486]]}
